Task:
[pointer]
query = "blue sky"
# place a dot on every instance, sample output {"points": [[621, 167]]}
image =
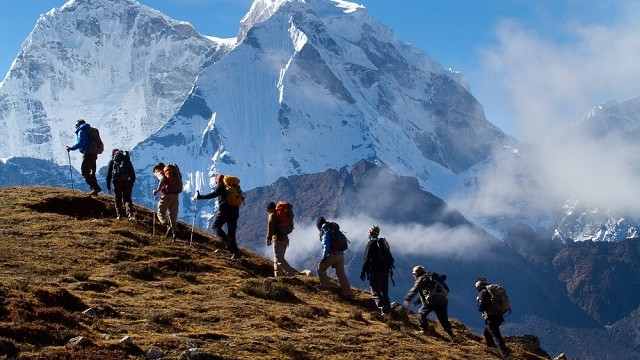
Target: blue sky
{"points": [[511, 51]]}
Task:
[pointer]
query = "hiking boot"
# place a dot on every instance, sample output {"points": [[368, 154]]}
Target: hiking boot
{"points": [[305, 272], [236, 256], [118, 217], [505, 352], [94, 192], [169, 232], [132, 219]]}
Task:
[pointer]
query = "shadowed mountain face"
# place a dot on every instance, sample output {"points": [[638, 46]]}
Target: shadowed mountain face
{"points": [[368, 194]]}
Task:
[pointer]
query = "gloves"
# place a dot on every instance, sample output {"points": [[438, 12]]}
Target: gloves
{"points": [[363, 275], [198, 197], [406, 304], [155, 191], [68, 149], [268, 241]]}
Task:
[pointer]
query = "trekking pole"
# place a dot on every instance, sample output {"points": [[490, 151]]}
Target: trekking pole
{"points": [[195, 213], [153, 214], [70, 171]]}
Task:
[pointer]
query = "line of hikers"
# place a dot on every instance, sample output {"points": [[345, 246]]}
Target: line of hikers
{"points": [[378, 262]]}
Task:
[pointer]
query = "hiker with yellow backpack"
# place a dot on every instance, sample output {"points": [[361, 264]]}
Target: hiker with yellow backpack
{"points": [[230, 198]]}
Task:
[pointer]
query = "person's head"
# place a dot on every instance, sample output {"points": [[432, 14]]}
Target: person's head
{"points": [[480, 283], [417, 271], [374, 231], [271, 207], [321, 221], [79, 122], [115, 152], [219, 178], [158, 167]]}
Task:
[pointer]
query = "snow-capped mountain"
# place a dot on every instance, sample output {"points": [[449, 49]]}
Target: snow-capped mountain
{"points": [[317, 84], [36, 172], [123, 67]]}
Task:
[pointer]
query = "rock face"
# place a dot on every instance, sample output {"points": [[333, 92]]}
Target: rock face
{"points": [[122, 66]]}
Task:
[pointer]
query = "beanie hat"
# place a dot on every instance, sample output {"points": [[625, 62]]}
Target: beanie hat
{"points": [[374, 231], [321, 220]]}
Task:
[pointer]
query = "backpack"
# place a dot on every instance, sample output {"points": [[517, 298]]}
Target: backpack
{"points": [[122, 169], [96, 146], [235, 196], [500, 304], [284, 217], [439, 285], [339, 240], [173, 179], [384, 254]]}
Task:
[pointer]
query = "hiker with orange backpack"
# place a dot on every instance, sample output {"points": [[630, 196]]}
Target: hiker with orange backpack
{"points": [[90, 146], [230, 198], [279, 226], [169, 186]]}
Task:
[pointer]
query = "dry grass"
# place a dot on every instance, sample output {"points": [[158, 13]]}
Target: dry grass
{"points": [[64, 252]]}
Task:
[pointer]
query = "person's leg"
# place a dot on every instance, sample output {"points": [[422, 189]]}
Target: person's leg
{"points": [[173, 206], [88, 169], [127, 188], [280, 265], [345, 286], [218, 222], [162, 212], [118, 193], [423, 322], [232, 225], [376, 282], [325, 283], [443, 317]]}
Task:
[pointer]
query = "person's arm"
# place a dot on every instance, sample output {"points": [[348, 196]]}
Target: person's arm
{"points": [[132, 172], [366, 258], [160, 176], [326, 242], [484, 300], [83, 140], [417, 286], [109, 169], [216, 192], [271, 228]]}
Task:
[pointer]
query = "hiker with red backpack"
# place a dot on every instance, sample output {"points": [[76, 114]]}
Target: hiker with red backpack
{"points": [[169, 187], [279, 226], [333, 247], [493, 303], [230, 198], [90, 146], [120, 171], [377, 267], [433, 292]]}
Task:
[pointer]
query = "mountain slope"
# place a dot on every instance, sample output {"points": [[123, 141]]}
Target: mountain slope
{"points": [[122, 66], [64, 252], [313, 85]]}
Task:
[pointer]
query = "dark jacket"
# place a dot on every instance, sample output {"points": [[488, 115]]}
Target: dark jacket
{"points": [[84, 139], [128, 168], [372, 258], [424, 287], [484, 300]]}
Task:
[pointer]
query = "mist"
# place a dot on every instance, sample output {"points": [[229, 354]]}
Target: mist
{"points": [[460, 242], [550, 87]]}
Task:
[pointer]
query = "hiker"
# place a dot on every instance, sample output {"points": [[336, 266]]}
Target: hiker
{"points": [[492, 318], [227, 214], [433, 296], [121, 171], [377, 266], [169, 201], [90, 152], [331, 257], [279, 237]]}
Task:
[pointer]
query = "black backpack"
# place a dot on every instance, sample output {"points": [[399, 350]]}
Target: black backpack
{"points": [[439, 286], [385, 258], [122, 169], [339, 240]]}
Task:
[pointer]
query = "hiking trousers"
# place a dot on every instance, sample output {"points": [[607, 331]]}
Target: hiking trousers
{"points": [[379, 282], [492, 333], [88, 171], [441, 313], [122, 192], [227, 214], [337, 262], [280, 266], [168, 210]]}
